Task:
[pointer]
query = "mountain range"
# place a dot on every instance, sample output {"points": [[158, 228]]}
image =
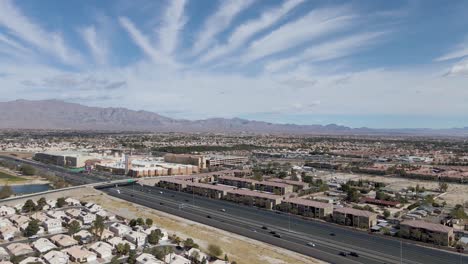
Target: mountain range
{"points": [[60, 115]]}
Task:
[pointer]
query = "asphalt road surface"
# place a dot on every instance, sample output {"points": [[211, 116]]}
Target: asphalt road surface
{"points": [[329, 239]]}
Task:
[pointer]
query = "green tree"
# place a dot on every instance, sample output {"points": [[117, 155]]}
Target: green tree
{"points": [[29, 206], [353, 195], [126, 248], [161, 252], [226, 257], [115, 260], [41, 203], [132, 223], [386, 213], [6, 192], [458, 212], [61, 202], [189, 243], [74, 227], [140, 221], [120, 248], [132, 257], [214, 250], [149, 222], [155, 236], [32, 228], [28, 170]]}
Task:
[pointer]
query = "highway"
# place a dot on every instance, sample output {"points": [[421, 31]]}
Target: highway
{"points": [[295, 232]]}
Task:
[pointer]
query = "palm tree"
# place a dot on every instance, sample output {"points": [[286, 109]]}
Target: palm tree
{"points": [[98, 226]]}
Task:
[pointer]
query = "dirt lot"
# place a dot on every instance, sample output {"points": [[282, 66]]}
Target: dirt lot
{"points": [[240, 249], [456, 193]]}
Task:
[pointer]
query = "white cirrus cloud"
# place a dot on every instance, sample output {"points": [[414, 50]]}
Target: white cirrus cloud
{"points": [[23, 28], [218, 22], [144, 43], [97, 46], [317, 23], [329, 50], [460, 51], [247, 30], [173, 23]]}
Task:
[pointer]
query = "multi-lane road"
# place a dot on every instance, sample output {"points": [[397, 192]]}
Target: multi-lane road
{"points": [[295, 232]]}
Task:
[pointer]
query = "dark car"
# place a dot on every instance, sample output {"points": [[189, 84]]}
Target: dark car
{"points": [[208, 216], [272, 232], [277, 235], [354, 254], [161, 203], [332, 234], [187, 200], [131, 195], [343, 254], [264, 227]]}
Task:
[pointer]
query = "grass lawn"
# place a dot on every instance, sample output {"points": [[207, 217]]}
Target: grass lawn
{"points": [[8, 177]]}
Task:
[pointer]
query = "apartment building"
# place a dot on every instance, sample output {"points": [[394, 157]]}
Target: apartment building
{"points": [[237, 182], [427, 232], [208, 190], [274, 187], [173, 184], [307, 208], [254, 198], [354, 217], [297, 185]]}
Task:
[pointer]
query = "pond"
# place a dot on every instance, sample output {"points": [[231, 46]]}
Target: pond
{"points": [[30, 188]]}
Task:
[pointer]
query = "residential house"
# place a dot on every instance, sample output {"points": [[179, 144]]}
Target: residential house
{"points": [[56, 214], [4, 256], [87, 218], [102, 249], [146, 258], [72, 202], [106, 234], [137, 238], [19, 220], [62, 240], [8, 232], [118, 240], [84, 235], [53, 225], [175, 259], [40, 216], [119, 229], [74, 213], [80, 254], [56, 257], [31, 260], [19, 249], [7, 211], [5, 222], [43, 245]]}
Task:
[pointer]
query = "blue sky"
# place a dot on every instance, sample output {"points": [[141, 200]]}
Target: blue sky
{"points": [[385, 64]]}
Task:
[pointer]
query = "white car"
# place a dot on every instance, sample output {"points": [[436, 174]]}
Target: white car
{"points": [[310, 244]]}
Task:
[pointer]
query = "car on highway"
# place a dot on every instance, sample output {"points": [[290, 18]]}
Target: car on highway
{"points": [[264, 228], [332, 234], [272, 232], [277, 235], [208, 216], [343, 254], [223, 210], [354, 254], [160, 192], [161, 203], [310, 244]]}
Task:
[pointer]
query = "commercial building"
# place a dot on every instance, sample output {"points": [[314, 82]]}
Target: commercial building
{"points": [[274, 187], [307, 208], [237, 182], [65, 159], [427, 232], [196, 160], [354, 217], [254, 198], [226, 161]]}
